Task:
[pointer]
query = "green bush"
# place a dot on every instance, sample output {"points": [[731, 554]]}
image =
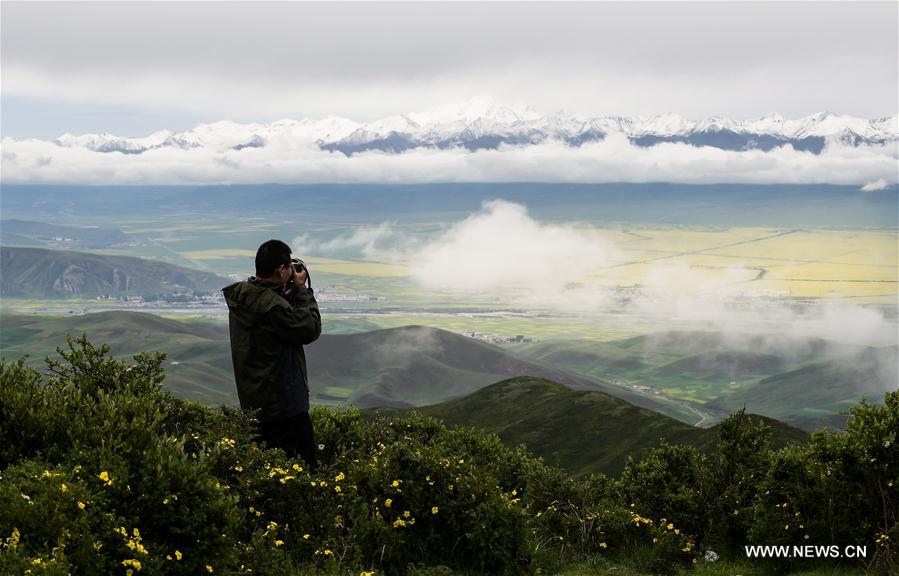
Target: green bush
{"points": [[103, 472]]}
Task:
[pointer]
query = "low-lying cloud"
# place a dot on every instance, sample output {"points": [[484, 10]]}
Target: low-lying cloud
{"points": [[503, 255], [614, 159], [502, 247]]}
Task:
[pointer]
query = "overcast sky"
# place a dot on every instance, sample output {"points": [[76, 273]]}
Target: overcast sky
{"points": [[133, 68]]}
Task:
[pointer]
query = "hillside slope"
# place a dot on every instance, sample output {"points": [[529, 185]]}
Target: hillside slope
{"points": [[41, 273], [399, 367], [804, 381], [581, 431]]}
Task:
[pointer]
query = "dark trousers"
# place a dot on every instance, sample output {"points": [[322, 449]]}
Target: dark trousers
{"points": [[293, 435]]}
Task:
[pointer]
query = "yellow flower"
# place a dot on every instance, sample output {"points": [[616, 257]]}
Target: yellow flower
{"points": [[305, 536], [339, 477], [64, 488], [104, 476], [238, 468], [328, 553], [131, 562], [279, 542], [388, 502], [669, 526], [178, 555], [434, 510], [337, 488], [399, 523], [428, 477], [366, 574], [395, 483], [603, 545], [209, 568], [297, 467], [407, 514], [82, 505]]}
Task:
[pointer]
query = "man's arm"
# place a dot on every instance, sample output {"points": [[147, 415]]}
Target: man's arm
{"points": [[302, 322]]}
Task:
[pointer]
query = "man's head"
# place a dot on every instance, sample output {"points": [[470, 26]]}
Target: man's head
{"points": [[273, 262]]}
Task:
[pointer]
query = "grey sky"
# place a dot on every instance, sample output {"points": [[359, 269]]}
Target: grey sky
{"points": [[131, 68]]}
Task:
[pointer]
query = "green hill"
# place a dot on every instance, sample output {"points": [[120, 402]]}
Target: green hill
{"points": [[815, 394], [805, 381], [400, 367], [40, 273], [581, 431]]}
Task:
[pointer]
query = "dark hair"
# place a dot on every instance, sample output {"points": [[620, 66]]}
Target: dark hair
{"points": [[270, 255]]}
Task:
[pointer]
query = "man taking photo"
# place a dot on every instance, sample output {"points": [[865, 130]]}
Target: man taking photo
{"points": [[270, 317]]}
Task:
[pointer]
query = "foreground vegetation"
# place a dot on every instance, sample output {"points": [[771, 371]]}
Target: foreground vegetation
{"points": [[105, 473]]}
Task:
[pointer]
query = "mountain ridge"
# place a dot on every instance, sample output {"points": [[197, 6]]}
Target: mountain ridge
{"points": [[483, 122]]}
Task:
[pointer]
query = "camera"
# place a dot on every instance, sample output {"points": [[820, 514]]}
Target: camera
{"points": [[299, 266]]}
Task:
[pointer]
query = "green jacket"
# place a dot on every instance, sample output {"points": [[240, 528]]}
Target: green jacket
{"points": [[267, 338]]}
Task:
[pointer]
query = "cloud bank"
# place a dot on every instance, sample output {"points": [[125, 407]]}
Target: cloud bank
{"points": [[613, 159], [501, 254]]}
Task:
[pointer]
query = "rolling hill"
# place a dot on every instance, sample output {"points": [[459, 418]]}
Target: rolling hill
{"points": [[399, 367], [41, 273], [579, 430], [803, 381]]}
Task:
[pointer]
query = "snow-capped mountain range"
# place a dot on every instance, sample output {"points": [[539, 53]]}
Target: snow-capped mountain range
{"points": [[484, 123]]}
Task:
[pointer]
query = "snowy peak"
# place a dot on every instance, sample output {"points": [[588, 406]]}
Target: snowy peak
{"points": [[483, 122]]}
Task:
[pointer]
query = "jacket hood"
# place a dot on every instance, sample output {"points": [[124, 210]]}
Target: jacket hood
{"points": [[249, 301]]}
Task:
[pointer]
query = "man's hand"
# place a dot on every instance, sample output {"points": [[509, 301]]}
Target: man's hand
{"points": [[299, 278]]}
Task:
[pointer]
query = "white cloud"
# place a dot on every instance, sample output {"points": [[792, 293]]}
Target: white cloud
{"points": [[614, 159], [880, 184], [503, 253], [367, 241], [502, 247]]}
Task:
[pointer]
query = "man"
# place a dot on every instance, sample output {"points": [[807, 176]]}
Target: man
{"points": [[271, 316]]}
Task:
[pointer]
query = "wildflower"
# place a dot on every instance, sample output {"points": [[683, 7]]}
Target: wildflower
{"points": [[399, 523], [305, 536], [395, 483], [165, 501], [104, 476], [131, 562], [209, 568], [238, 468], [339, 477], [603, 545], [279, 542], [178, 555], [670, 526], [366, 574], [287, 479], [388, 502], [81, 505], [64, 488], [514, 492], [328, 552], [37, 561], [337, 489], [434, 510]]}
